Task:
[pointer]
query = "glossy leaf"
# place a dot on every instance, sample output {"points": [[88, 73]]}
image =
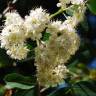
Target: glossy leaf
{"points": [[92, 6], [11, 85], [15, 80], [85, 88], [62, 90], [25, 93], [30, 92]]}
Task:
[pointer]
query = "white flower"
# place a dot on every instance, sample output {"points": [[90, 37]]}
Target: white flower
{"points": [[63, 3], [12, 34], [13, 18], [77, 2], [51, 76], [79, 14], [18, 51], [59, 4], [36, 23], [12, 39], [61, 71], [49, 57], [64, 40], [54, 27], [69, 24]]}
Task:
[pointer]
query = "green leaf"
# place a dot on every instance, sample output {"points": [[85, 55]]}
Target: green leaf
{"points": [[71, 10], [15, 80], [25, 93], [92, 6], [2, 90], [30, 92], [90, 85], [4, 59], [11, 85], [45, 36], [85, 88], [31, 44], [60, 92]]}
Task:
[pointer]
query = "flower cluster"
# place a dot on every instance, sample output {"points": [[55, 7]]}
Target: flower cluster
{"points": [[36, 23], [51, 77], [13, 36], [50, 55], [77, 2], [17, 30], [63, 3]]}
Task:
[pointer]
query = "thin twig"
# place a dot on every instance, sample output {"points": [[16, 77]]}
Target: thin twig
{"points": [[60, 11], [38, 89], [10, 6]]}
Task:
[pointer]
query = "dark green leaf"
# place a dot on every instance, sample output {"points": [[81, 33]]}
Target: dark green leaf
{"points": [[31, 46], [25, 93], [31, 92], [60, 92], [15, 80], [46, 36], [85, 88], [4, 58], [2, 90], [92, 6]]}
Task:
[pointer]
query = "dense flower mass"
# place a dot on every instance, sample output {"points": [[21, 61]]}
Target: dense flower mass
{"points": [[18, 51], [50, 55], [64, 3], [51, 76], [17, 30], [77, 2], [36, 23], [13, 18], [13, 36], [50, 69]]}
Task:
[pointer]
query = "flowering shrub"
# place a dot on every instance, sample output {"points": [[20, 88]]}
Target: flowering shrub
{"points": [[56, 42]]}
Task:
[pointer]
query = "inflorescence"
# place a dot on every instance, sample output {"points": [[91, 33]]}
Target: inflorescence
{"points": [[50, 55]]}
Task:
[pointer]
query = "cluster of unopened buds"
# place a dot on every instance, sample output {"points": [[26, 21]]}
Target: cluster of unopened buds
{"points": [[50, 55]]}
